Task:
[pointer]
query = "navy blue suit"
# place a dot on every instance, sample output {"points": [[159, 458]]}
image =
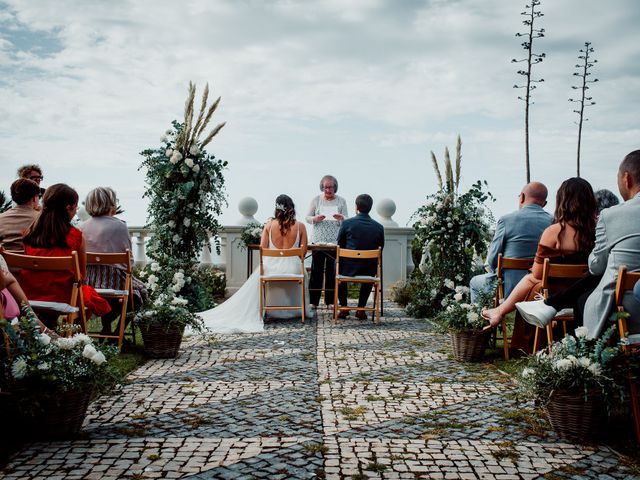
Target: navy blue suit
{"points": [[359, 233]]}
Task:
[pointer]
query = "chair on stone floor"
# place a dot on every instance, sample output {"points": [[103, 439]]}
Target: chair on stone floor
{"points": [[267, 279], [343, 253], [626, 281], [551, 273], [507, 263]]}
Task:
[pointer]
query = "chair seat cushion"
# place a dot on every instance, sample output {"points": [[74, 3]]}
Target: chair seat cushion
{"points": [[55, 306], [358, 277], [112, 291], [281, 275], [634, 339], [565, 312]]}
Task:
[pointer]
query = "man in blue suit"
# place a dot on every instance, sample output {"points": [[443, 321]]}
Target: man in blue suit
{"points": [[359, 233], [516, 236]]}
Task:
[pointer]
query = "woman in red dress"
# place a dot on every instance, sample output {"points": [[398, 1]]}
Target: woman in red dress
{"points": [[52, 235]]}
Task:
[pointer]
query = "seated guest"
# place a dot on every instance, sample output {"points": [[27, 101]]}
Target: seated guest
{"points": [[104, 233], [636, 291], [359, 233], [52, 235], [32, 172], [516, 236], [605, 198], [13, 223], [568, 240]]}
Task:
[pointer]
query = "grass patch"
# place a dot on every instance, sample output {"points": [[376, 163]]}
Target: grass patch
{"points": [[376, 467], [313, 448], [373, 398]]}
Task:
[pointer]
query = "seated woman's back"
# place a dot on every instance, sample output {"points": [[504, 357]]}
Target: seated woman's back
{"points": [[272, 231]]}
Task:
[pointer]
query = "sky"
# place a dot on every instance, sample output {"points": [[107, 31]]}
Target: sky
{"points": [[360, 89]]}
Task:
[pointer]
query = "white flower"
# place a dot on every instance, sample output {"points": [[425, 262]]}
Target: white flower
{"points": [[459, 277], [176, 238], [172, 307], [176, 288], [196, 168], [176, 157], [158, 302], [168, 152], [168, 131], [584, 362], [563, 364], [434, 292], [572, 359], [457, 297], [527, 372], [595, 369], [89, 351], [186, 222], [19, 368], [581, 332], [155, 267], [171, 224], [152, 279], [64, 343], [189, 162], [449, 284], [449, 225], [466, 306], [163, 138], [472, 316], [99, 358], [142, 274], [194, 150], [82, 338], [45, 339], [44, 366]]}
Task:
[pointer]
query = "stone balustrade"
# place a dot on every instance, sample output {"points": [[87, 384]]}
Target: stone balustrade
{"points": [[397, 261]]}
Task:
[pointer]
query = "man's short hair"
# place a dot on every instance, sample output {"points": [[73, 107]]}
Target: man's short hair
{"points": [[24, 170], [631, 164], [100, 201], [364, 202], [23, 190], [605, 199]]}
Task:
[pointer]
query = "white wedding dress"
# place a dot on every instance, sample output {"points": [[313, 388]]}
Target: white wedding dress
{"points": [[241, 312]]}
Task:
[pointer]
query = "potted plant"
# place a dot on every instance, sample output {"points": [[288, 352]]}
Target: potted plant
{"points": [[49, 379], [462, 320], [163, 321], [251, 234], [574, 381]]}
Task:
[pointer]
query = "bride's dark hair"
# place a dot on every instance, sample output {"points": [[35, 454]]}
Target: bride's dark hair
{"points": [[285, 213]]}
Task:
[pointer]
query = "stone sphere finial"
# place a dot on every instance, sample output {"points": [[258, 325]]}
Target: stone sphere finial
{"points": [[247, 207], [386, 208]]}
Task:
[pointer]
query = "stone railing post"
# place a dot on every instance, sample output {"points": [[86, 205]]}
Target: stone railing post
{"points": [[139, 236]]}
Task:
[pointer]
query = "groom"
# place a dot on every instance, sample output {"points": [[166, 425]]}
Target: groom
{"points": [[359, 233]]}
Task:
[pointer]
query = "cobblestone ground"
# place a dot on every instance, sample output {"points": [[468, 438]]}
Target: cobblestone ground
{"points": [[352, 400]]}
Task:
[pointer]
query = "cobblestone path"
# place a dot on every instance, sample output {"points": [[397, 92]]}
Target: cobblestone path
{"points": [[318, 400]]}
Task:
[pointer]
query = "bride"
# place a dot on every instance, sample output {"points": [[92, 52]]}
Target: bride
{"points": [[241, 312]]}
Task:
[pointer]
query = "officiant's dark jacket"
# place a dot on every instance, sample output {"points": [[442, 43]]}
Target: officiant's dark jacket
{"points": [[360, 233]]}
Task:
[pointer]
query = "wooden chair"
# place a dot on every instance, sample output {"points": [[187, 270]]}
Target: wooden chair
{"points": [[507, 263], [342, 253], [626, 281], [266, 279], [551, 272], [124, 296], [74, 308]]}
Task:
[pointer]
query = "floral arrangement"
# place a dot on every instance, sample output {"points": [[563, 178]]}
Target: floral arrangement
{"points": [[576, 364], [451, 229], [49, 363], [251, 234], [185, 187], [459, 315]]}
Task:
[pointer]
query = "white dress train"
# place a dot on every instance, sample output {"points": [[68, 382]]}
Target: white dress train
{"points": [[241, 312]]}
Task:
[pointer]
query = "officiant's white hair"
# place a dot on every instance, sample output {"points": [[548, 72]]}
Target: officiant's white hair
{"points": [[329, 177]]}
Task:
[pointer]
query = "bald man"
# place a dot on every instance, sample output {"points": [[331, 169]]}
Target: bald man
{"points": [[517, 235]]}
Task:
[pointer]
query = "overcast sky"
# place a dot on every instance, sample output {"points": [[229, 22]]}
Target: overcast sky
{"points": [[361, 89]]}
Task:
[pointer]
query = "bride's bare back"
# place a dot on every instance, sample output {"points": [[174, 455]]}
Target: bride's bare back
{"points": [[285, 241]]}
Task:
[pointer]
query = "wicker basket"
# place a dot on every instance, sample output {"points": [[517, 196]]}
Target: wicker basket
{"points": [[469, 346], [574, 418], [160, 342]]}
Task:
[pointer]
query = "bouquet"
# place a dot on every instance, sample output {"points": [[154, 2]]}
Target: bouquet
{"points": [[459, 315], [251, 234]]}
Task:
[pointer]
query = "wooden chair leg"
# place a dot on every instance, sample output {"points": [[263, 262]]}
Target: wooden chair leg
{"points": [[302, 298], [335, 301], [550, 334], [536, 340], [505, 341]]}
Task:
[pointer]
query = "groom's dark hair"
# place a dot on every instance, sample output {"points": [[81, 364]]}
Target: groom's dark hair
{"points": [[364, 202]]}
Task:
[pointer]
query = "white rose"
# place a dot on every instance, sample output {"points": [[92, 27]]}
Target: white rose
{"points": [[168, 152], [152, 279], [563, 364], [189, 162], [581, 332], [155, 267], [163, 138], [65, 343], [81, 338], [472, 316], [196, 168], [449, 284], [584, 362], [99, 358], [45, 339], [89, 351], [194, 150], [186, 222], [527, 372], [457, 297], [176, 238], [19, 368], [595, 369], [171, 224]]}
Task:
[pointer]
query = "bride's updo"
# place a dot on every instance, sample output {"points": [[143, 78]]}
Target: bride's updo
{"points": [[285, 213]]}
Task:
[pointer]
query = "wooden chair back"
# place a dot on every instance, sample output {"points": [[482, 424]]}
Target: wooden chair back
{"points": [[69, 263], [124, 295]]}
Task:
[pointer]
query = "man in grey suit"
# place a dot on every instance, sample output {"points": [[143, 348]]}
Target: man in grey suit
{"points": [[516, 236], [617, 243]]}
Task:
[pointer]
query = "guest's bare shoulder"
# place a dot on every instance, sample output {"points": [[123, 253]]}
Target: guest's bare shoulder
{"points": [[550, 235]]}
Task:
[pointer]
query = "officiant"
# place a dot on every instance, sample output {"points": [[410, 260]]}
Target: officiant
{"points": [[326, 213]]}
